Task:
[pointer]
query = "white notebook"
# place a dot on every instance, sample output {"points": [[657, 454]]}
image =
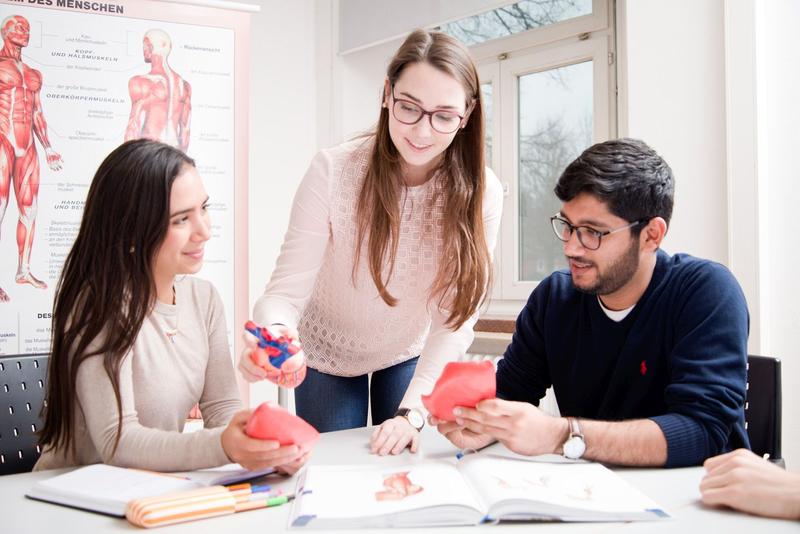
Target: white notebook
{"points": [[107, 489], [479, 488]]}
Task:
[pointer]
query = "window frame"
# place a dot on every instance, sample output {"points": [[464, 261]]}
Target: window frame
{"points": [[500, 62], [597, 20]]}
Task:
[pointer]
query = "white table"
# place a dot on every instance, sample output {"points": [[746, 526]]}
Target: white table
{"points": [[674, 489]]}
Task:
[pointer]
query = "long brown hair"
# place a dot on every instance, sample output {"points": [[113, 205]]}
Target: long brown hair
{"points": [[106, 288], [464, 272]]}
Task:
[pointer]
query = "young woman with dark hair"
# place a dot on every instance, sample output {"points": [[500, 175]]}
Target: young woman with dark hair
{"points": [[388, 253], [135, 346]]}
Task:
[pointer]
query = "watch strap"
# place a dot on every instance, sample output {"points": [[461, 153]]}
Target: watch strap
{"points": [[574, 428]]}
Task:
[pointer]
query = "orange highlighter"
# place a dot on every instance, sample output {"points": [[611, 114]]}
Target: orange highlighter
{"points": [[200, 503]]}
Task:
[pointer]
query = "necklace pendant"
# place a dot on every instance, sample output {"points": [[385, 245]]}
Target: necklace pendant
{"points": [[171, 334]]}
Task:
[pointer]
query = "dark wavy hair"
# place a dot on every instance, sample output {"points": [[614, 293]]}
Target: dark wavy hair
{"points": [[106, 288], [629, 176]]}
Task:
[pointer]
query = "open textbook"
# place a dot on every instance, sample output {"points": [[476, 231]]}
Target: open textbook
{"points": [[107, 489], [479, 488]]}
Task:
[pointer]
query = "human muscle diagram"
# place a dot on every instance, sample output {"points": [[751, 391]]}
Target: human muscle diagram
{"points": [[74, 86], [161, 101], [21, 119]]}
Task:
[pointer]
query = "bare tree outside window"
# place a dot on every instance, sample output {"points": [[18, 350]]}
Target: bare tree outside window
{"points": [[488, 118], [515, 18], [555, 125]]}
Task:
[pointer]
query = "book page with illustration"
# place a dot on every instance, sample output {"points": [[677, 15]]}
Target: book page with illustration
{"points": [[529, 487], [342, 492]]}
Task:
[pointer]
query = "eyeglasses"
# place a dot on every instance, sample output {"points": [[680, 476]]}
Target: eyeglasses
{"points": [[589, 237], [408, 112]]}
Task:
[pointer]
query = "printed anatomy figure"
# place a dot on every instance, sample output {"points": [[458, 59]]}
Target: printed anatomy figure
{"points": [[398, 487], [20, 119], [161, 101]]}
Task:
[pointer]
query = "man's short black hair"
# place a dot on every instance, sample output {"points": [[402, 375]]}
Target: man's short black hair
{"points": [[626, 174]]}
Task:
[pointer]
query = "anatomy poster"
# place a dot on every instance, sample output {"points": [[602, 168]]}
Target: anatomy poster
{"points": [[76, 80]]}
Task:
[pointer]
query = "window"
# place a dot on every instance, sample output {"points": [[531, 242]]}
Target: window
{"points": [[515, 18], [548, 81], [555, 125], [488, 100]]}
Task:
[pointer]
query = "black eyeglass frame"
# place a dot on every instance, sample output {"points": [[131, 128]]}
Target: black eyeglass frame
{"points": [[430, 114], [597, 233]]}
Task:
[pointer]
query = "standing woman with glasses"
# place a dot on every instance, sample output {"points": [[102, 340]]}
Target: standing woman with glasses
{"points": [[388, 253]]}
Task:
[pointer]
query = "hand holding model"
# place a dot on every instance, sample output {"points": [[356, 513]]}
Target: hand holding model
{"points": [[274, 423], [461, 384], [464, 409], [273, 353], [254, 453]]}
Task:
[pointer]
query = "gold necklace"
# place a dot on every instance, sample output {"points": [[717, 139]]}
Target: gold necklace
{"points": [[171, 333]]}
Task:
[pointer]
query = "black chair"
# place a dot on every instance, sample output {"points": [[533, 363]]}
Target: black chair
{"points": [[22, 390], [762, 408]]}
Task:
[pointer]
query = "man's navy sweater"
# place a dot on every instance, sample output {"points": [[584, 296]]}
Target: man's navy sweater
{"points": [[678, 358]]}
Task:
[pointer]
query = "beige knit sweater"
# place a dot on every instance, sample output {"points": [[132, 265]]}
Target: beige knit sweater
{"points": [[347, 329], [160, 381]]}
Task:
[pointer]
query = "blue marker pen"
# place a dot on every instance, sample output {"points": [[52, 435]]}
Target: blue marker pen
{"points": [[460, 454]]}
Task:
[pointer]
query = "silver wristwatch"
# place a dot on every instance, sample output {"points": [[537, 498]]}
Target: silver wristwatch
{"points": [[575, 446], [413, 416]]}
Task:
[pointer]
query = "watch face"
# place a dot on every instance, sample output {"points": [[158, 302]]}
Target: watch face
{"points": [[574, 448], [416, 419]]}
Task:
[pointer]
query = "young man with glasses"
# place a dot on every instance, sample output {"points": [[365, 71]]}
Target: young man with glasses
{"points": [[646, 352]]}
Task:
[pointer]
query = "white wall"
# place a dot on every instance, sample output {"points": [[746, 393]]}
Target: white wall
{"points": [[283, 132], [674, 80], [361, 82], [364, 22], [778, 56], [713, 86]]}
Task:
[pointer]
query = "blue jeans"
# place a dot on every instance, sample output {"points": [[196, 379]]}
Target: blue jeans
{"points": [[331, 402]]}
